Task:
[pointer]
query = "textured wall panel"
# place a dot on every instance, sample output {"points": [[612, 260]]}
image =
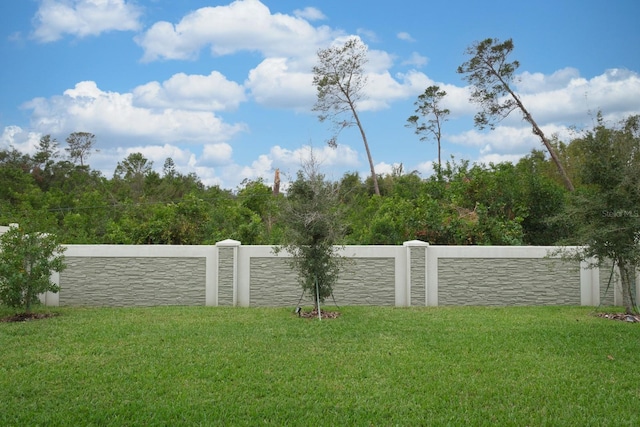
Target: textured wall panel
{"points": [[132, 281], [273, 283], [418, 273], [225, 276], [363, 281], [507, 281], [367, 281]]}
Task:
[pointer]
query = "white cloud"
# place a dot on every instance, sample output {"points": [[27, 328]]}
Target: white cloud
{"points": [[216, 154], [499, 158], [332, 163], [382, 89], [378, 61], [107, 158], [425, 168], [615, 92], [272, 83], [327, 157], [383, 168], [289, 43], [405, 36], [20, 139], [368, 34], [509, 140], [538, 82], [82, 18], [242, 25], [113, 114], [309, 13], [502, 139], [416, 60], [191, 92]]}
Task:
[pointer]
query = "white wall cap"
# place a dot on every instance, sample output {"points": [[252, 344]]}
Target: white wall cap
{"points": [[229, 242]]}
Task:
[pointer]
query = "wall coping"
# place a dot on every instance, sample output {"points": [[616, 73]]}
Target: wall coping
{"points": [[229, 243]]}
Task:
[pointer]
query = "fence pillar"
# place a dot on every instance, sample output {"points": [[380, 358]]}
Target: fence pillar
{"points": [[227, 272], [589, 283], [416, 271], [211, 278]]}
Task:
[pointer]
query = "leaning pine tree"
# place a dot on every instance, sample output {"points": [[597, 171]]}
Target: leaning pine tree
{"points": [[313, 226]]}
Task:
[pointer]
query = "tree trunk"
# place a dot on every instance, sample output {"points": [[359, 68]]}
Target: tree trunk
{"points": [[625, 279], [27, 291], [537, 131], [366, 147]]}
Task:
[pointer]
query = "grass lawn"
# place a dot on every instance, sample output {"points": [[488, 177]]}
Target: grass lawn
{"points": [[372, 366]]}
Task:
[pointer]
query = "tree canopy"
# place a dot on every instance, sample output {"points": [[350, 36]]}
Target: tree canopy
{"points": [[500, 203], [605, 212]]}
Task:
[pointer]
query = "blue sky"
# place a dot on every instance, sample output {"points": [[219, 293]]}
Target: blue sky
{"points": [[224, 88]]}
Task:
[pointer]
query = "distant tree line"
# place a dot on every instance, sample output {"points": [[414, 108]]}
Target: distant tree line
{"points": [[461, 204]]}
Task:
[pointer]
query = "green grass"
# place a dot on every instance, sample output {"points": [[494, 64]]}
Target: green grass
{"points": [[370, 367]]}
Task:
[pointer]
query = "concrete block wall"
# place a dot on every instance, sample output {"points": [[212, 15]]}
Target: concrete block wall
{"points": [[414, 274], [122, 275], [133, 281], [369, 277], [507, 281]]}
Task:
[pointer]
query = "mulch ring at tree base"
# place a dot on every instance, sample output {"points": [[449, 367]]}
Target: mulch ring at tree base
{"points": [[631, 318], [24, 317], [313, 314]]}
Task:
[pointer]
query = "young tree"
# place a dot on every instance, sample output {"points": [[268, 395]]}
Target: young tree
{"points": [[313, 225], [27, 260], [169, 168], [133, 170], [80, 146], [44, 161], [428, 105], [340, 80], [605, 211], [47, 152], [491, 77]]}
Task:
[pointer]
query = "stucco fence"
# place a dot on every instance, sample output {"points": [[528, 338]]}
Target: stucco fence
{"points": [[414, 274]]}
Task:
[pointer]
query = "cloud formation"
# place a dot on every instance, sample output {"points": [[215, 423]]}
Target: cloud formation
{"points": [[156, 117], [81, 18], [87, 107], [191, 92], [244, 25]]}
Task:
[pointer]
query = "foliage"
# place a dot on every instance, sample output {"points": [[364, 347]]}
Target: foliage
{"points": [[462, 204], [80, 146], [133, 171], [261, 207], [340, 81], [605, 213], [491, 76], [543, 197], [313, 225], [27, 260]]}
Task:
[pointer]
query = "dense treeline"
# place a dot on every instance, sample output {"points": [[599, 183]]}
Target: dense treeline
{"points": [[463, 204], [499, 204]]}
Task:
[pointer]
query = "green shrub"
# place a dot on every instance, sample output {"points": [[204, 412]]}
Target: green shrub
{"points": [[26, 263]]}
